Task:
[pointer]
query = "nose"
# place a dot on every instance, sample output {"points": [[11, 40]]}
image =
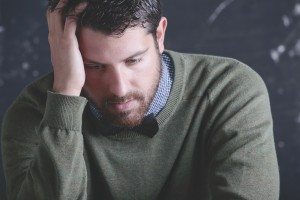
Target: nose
{"points": [[118, 84]]}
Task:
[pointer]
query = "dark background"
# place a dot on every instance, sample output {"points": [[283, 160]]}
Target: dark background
{"points": [[264, 34]]}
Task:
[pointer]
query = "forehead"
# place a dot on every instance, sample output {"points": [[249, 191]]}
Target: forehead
{"points": [[97, 44]]}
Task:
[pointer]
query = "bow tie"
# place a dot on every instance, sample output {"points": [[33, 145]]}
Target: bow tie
{"points": [[149, 127]]}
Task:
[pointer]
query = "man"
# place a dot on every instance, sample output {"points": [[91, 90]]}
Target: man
{"points": [[120, 117]]}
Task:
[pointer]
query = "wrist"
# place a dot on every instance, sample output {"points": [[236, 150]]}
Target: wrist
{"points": [[66, 91]]}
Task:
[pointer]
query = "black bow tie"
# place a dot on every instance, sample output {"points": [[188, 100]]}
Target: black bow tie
{"points": [[149, 127]]}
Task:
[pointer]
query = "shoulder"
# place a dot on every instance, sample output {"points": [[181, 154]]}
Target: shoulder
{"points": [[214, 75], [34, 94], [25, 113]]}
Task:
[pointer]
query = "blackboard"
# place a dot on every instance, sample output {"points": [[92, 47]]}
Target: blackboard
{"points": [[265, 34]]}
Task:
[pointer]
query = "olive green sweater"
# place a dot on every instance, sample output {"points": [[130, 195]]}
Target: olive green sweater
{"points": [[215, 141]]}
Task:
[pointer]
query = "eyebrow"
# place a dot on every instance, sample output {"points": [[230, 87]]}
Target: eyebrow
{"points": [[130, 57]]}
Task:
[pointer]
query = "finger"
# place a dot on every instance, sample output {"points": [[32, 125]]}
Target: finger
{"points": [[47, 16], [55, 23], [61, 4], [71, 21], [51, 25], [48, 13], [56, 19]]}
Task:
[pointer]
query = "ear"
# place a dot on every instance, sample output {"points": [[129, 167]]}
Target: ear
{"points": [[160, 33]]}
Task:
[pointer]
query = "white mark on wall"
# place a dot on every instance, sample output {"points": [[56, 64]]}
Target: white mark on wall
{"points": [[298, 119], [281, 144], [280, 91], [35, 73], [290, 45], [286, 21], [25, 65], [295, 51], [296, 11], [27, 46], [219, 10], [277, 53], [2, 29], [297, 47]]}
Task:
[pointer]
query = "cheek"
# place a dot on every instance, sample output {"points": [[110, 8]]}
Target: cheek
{"points": [[90, 78], [93, 83], [149, 78], [143, 77]]}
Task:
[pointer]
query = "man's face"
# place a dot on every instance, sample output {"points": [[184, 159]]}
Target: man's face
{"points": [[122, 73]]}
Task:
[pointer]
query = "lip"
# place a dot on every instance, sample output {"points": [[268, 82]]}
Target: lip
{"points": [[122, 106]]}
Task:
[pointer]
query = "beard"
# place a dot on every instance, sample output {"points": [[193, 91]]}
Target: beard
{"points": [[135, 116], [128, 118]]}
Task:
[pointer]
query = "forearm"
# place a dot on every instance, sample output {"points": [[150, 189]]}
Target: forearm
{"points": [[57, 168]]}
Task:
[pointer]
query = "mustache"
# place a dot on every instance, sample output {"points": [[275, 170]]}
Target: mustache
{"points": [[128, 97]]}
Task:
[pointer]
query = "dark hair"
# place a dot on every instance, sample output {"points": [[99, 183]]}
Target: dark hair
{"points": [[113, 17]]}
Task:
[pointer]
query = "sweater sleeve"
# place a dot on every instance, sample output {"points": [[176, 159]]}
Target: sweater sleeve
{"points": [[242, 157], [43, 152]]}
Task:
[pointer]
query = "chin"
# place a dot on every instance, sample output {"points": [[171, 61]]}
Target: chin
{"points": [[125, 119]]}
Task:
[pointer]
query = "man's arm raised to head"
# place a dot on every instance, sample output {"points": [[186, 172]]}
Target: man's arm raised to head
{"points": [[66, 58], [42, 150]]}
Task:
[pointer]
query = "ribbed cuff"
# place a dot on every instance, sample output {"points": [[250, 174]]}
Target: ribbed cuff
{"points": [[64, 112]]}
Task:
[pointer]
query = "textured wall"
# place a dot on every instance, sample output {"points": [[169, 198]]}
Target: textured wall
{"points": [[264, 34]]}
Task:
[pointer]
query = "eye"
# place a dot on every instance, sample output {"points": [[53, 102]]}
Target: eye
{"points": [[96, 67], [133, 61]]}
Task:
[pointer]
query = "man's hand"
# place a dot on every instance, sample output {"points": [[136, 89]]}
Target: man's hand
{"points": [[68, 67]]}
